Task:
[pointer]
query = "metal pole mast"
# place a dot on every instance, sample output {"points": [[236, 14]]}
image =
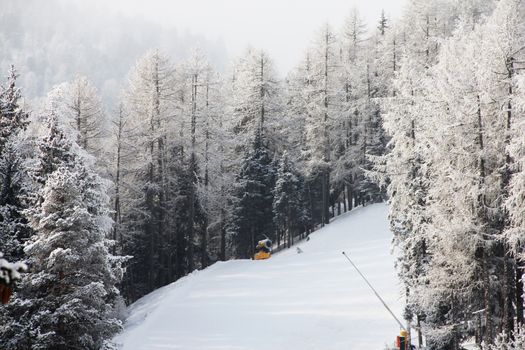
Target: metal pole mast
{"points": [[375, 292]]}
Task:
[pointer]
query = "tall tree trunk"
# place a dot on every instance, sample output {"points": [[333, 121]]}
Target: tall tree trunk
{"points": [[78, 110], [192, 174], [149, 229], [519, 292], [508, 295], [223, 235], [191, 220], [350, 196], [262, 93], [324, 211], [488, 336], [204, 238], [487, 301], [510, 267], [344, 199], [326, 136], [419, 333], [160, 205], [117, 213], [150, 207], [222, 215]]}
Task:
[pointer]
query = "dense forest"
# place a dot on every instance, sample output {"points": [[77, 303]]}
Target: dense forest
{"points": [[194, 165]]}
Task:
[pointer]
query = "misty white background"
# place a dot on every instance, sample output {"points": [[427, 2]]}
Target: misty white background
{"points": [[282, 27], [53, 41]]}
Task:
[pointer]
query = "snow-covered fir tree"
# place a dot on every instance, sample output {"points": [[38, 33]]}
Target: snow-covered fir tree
{"points": [[68, 254], [13, 117], [290, 205], [252, 217], [13, 180]]}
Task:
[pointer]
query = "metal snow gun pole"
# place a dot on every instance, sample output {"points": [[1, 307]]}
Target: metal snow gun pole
{"points": [[401, 341]]}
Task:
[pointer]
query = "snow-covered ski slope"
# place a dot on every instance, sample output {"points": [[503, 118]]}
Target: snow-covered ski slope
{"points": [[313, 300]]}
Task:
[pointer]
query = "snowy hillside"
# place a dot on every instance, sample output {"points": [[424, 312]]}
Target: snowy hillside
{"points": [[313, 300]]}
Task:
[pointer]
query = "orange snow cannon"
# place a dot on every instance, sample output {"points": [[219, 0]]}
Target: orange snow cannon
{"points": [[263, 250], [261, 256]]}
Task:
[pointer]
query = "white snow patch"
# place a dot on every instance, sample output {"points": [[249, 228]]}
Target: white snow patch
{"points": [[313, 300]]}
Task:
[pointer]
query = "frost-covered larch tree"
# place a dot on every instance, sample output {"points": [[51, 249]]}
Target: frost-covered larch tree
{"points": [[406, 171], [507, 53], [256, 97], [347, 171], [473, 166], [448, 170], [515, 201], [323, 105], [86, 115], [214, 147], [149, 100], [198, 80]]}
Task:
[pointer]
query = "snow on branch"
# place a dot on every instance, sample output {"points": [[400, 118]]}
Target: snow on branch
{"points": [[10, 272]]}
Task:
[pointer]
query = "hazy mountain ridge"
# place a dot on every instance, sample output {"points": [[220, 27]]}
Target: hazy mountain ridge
{"points": [[52, 41]]}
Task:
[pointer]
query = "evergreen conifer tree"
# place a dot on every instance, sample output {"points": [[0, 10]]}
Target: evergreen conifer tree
{"points": [[68, 298], [69, 256], [290, 214], [13, 182], [252, 218]]}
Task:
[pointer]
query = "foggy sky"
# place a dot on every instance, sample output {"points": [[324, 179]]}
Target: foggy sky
{"points": [[53, 41], [282, 27]]}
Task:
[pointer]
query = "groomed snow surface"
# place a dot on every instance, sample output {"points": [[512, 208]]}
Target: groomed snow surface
{"points": [[313, 300]]}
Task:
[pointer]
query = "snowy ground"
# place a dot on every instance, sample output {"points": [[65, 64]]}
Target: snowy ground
{"points": [[314, 300]]}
